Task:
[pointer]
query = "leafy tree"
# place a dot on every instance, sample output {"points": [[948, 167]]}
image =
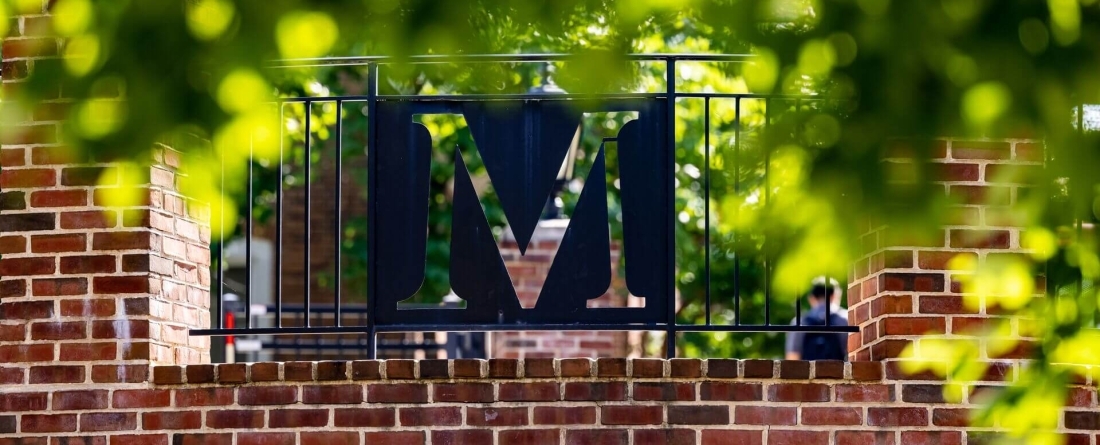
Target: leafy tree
{"points": [[888, 69]]}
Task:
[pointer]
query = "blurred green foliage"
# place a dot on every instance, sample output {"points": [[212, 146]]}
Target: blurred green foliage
{"points": [[901, 70]]}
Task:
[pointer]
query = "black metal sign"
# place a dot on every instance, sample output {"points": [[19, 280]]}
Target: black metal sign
{"points": [[523, 144]]}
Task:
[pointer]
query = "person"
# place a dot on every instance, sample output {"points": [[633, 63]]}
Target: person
{"points": [[821, 345]]}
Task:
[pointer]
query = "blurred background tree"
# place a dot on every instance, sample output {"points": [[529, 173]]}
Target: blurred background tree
{"points": [[905, 70]]}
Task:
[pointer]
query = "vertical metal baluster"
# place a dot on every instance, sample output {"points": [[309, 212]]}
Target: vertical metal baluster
{"points": [[219, 308], [706, 197], [736, 191], [339, 196], [767, 185], [279, 225], [248, 244], [372, 161], [670, 147], [309, 213]]}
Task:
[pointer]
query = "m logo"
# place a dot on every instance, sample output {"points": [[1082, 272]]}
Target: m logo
{"points": [[523, 145]]}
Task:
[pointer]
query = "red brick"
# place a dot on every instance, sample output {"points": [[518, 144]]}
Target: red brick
{"points": [[26, 310], [79, 400], [529, 392], [28, 178], [267, 395], [140, 398], [463, 392], [29, 48], [120, 285], [532, 367], [794, 369], [41, 352], [47, 423], [394, 438], [980, 239], [235, 419], [864, 393], [203, 396], [832, 416], [298, 371], [88, 264], [954, 172], [101, 307], [765, 415], [121, 373], [89, 219], [330, 438], [780, 437], [564, 415], [12, 376], [59, 198], [460, 437], [55, 330], [865, 437], [632, 415], [265, 439], [654, 368], [798, 392], [953, 417], [1082, 420], [980, 150], [120, 328], [197, 373], [828, 369], [264, 372], [397, 393], [53, 111], [56, 374], [13, 288], [438, 416], [108, 421], [891, 305], [932, 438], [595, 391], [913, 325], [495, 416], [140, 439], [1031, 152], [648, 391], [503, 368], [332, 394], [297, 418], [26, 266], [731, 392], [13, 244], [686, 368], [729, 437], [332, 370], [365, 417], [582, 367], [468, 368], [12, 157], [664, 437], [122, 240], [699, 415], [596, 437], [943, 304], [23, 401], [58, 243], [53, 287], [528, 437], [897, 417], [82, 352]]}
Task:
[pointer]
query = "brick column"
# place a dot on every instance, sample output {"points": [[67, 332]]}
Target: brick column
{"points": [[903, 289], [90, 293]]}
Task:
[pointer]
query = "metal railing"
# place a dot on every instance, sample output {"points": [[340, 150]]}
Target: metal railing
{"points": [[395, 254]]}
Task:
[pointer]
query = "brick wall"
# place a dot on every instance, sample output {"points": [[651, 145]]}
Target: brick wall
{"points": [[903, 289], [533, 401]]}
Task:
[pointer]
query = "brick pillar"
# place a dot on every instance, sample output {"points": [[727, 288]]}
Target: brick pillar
{"points": [[903, 289], [527, 272], [89, 293]]}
